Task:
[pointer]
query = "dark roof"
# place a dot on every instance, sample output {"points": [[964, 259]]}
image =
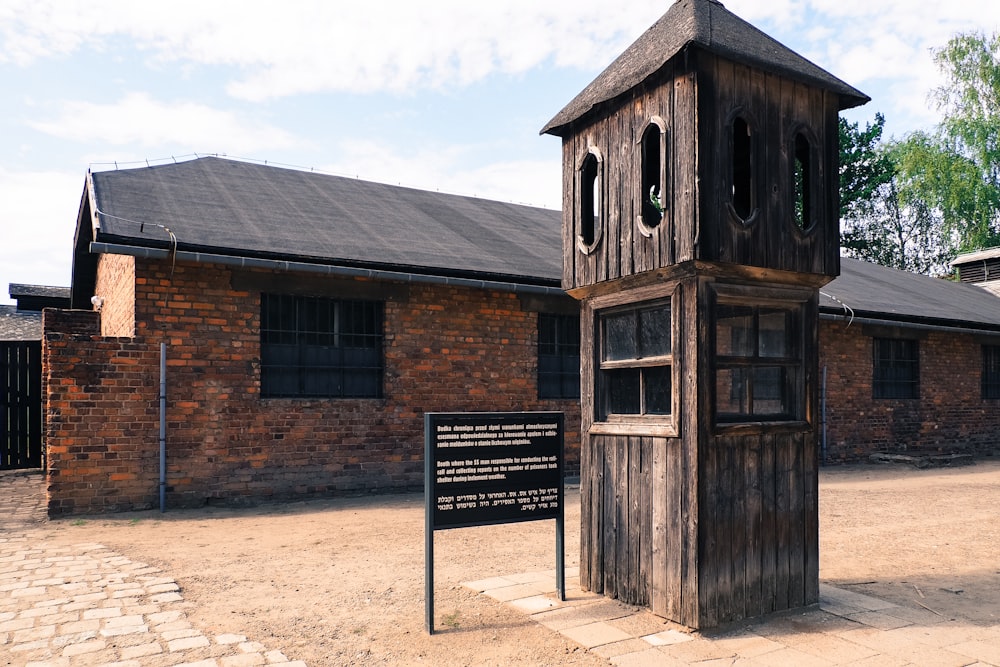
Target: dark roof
{"points": [[19, 325], [223, 206], [709, 25], [978, 256], [252, 210], [17, 290], [873, 291]]}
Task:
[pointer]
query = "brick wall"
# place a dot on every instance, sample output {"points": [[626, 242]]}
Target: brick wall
{"points": [[101, 419], [116, 286], [446, 349], [948, 417]]}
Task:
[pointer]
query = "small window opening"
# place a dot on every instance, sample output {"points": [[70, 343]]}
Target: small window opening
{"points": [[653, 167], [802, 182], [590, 200], [742, 175]]}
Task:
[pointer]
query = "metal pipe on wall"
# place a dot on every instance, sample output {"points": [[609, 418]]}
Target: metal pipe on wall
{"points": [[823, 416], [163, 427]]}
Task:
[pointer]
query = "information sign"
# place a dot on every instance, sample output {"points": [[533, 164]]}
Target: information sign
{"points": [[495, 468], [484, 468]]}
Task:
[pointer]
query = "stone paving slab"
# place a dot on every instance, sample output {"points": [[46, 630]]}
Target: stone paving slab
{"points": [[845, 628]]}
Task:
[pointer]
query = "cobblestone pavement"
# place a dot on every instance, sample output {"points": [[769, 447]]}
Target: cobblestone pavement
{"points": [[87, 605]]}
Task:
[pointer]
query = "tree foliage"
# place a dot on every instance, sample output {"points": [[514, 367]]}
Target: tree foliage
{"points": [[883, 222], [916, 202], [956, 169]]}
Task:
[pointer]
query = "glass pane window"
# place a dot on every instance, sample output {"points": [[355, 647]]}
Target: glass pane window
{"points": [[734, 331], [634, 377], [773, 334], [558, 356], [620, 339], [320, 347], [758, 363]]}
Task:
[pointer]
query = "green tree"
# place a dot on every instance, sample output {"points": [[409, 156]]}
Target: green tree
{"points": [[862, 168], [955, 170], [883, 221]]}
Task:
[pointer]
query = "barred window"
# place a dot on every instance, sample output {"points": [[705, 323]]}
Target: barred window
{"points": [[991, 371], [896, 366], [320, 347], [558, 356]]}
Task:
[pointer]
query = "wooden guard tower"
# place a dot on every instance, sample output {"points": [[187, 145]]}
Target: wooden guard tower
{"points": [[700, 219]]}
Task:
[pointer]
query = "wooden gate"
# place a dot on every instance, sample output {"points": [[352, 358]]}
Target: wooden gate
{"points": [[20, 404]]}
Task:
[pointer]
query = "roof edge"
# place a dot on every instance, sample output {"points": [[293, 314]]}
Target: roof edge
{"points": [[99, 247]]}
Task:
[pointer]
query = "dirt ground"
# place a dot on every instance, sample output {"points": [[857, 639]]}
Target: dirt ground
{"points": [[341, 582]]}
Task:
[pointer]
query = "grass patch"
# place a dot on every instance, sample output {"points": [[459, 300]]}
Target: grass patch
{"points": [[452, 620]]}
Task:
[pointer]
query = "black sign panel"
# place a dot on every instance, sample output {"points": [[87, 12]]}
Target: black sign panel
{"points": [[491, 467]]}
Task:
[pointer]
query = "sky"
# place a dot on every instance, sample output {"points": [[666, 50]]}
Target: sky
{"points": [[444, 95]]}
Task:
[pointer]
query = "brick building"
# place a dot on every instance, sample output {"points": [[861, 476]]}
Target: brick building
{"points": [[310, 321], [912, 364]]}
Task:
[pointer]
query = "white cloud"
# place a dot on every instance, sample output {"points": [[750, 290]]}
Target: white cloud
{"points": [[137, 120], [39, 215], [313, 45]]}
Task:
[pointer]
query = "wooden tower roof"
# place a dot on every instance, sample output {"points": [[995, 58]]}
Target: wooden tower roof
{"points": [[708, 25]]}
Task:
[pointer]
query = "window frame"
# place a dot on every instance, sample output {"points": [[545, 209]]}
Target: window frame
{"points": [[796, 304], [562, 324], [597, 420], [742, 167], [590, 202], [810, 189], [990, 379], [653, 174], [295, 337], [892, 388]]}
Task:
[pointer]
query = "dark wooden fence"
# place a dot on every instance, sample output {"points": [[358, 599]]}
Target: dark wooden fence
{"points": [[20, 404]]}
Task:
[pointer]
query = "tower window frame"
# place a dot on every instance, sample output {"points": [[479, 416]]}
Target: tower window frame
{"points": [[590, 212], [654, 192], [743, 167], [805, 175], [635, 361]]}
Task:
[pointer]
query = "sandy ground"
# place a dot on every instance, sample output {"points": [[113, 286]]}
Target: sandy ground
{"points": [[341, 582]]}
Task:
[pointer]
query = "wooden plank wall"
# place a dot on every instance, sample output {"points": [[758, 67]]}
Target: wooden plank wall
{"points": [[617, 517], [622, 250], [698, 107], [777, 108], [635, 524], [21, 415], [758, 543], [759, 535]]}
